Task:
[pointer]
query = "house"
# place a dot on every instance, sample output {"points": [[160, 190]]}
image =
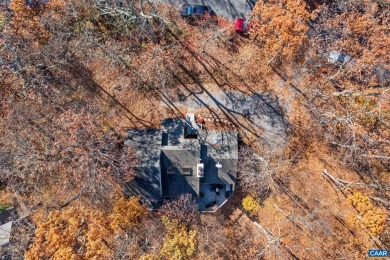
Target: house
{"points": [[5, 226], [182, 158]]}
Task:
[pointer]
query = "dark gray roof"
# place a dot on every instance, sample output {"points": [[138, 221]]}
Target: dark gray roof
{"points": [[5, 216], [227, 149], [225, 175], [147, 144], [168, 161], [177, 182], [213, 145]]}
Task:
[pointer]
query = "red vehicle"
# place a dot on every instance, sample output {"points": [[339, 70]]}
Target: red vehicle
{"points": [[242, 25]]}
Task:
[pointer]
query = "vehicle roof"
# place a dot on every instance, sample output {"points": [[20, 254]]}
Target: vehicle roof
{"points": [[238, 23], [339, 57], [199, 8], [241, 24]]}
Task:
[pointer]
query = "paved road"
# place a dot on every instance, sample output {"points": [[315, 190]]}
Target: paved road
{"points": [[229, 9]]}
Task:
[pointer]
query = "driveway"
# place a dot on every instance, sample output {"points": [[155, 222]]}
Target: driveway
{"points": [[256, 114], [229, 9]]}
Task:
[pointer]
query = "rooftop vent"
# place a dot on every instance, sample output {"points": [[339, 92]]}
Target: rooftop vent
{"points": [[217, 144], [218, 141]]}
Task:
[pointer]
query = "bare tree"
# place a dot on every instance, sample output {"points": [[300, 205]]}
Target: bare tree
{"points": [[182, 210], [256, 171], [274, 247]]}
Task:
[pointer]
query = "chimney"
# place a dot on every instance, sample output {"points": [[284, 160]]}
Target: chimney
{"points": [[191, 127]]}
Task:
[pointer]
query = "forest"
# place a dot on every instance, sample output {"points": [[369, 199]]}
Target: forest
{"points": [[314, 145]]}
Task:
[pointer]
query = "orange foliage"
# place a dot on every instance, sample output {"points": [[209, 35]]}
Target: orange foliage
{"points": [[280, 26], [126, 213], [27, 18], [71, 233], [360, 30], [82, 233], [370, 218]]}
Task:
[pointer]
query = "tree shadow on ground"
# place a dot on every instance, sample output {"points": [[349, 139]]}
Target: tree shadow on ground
{"points": [[84, 77], [219, 75]]}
